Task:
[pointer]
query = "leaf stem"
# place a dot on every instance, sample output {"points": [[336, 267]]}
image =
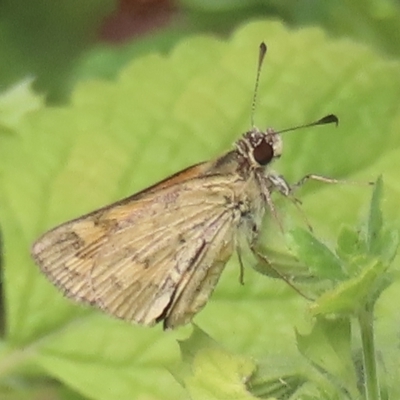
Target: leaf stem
{"points": [[366, 322]]}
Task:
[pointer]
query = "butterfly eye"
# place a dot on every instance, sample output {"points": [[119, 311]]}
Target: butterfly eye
{"points": [[263, 153]]}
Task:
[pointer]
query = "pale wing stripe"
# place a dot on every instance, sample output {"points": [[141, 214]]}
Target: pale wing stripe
{"points": [[66, 272], [188, 289], [113, 265], [109, 263], [75, 276], [150, 314], [133, 292], [162, 246], [144, 296], [70, 271], [49, 252], [150, 236]]}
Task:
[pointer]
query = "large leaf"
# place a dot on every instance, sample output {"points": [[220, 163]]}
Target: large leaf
{"points": [[161, 115]]}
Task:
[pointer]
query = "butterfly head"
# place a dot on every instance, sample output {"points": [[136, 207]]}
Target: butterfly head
{"points": [[260, 148]]}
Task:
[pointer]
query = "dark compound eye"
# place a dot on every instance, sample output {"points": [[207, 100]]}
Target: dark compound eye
{"points": [[263, 153]]}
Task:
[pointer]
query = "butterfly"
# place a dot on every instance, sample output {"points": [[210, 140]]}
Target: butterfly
{"points": [[158, 255]]}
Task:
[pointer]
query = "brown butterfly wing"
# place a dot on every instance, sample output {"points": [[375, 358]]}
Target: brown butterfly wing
{"points": [[154, 256]]}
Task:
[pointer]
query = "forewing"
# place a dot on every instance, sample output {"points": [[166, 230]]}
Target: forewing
{"points": [[135, 259]]}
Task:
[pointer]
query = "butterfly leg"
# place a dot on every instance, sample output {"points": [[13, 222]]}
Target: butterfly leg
{"points": [[241, 274], [325, 179], [271, 205], [279, 183], [263, 259], [315, 177]]}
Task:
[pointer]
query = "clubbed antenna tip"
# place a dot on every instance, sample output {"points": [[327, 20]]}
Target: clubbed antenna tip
{"points": [[328, 119], [261, 56]]}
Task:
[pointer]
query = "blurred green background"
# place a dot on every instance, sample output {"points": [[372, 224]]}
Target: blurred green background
{"points": [[59, 44]]}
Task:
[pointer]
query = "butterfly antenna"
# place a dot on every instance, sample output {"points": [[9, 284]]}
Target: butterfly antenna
{"points": [[261, 56], [328, 119]]}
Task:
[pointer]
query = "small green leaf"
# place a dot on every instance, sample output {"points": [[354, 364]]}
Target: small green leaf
{"points": [[219, 375], [277, 377], [212, 372], [280, 263], [278, 388], [197, 341], [189, 348], [349, 243], [348, 297], [388, 244], [316, 255], [328, 347]]}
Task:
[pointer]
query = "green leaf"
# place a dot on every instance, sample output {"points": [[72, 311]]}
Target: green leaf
{"points": [[350, 296], [161, 115], [367, 255], [316, 255], [374, 238], [349, 243], [381, 242], [328, 348], [189, 348], [219, 375], [211, 372], [277, 377], [278, 388]]}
